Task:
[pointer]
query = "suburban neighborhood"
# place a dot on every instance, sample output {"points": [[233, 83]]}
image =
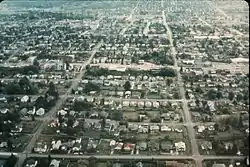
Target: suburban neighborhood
{"points": [[124, 83]]}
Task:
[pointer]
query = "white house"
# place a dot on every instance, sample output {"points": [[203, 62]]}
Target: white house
{"points": [[25, 99], [180, 146], [40, 112]]}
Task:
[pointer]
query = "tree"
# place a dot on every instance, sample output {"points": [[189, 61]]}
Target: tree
{"points": [[36, 63], [219, 95], [117, 115], [127, 86], [52, 90], [216, 126], [239, 97], [187, 95], [33, 117], [230, 96], [60, 118], [198, 89], [211, 94], [143, 94], [49, 158], [9, 145], [197, 102], [169, 81], [70, 122], [11, 161], [181, 69], [91, 87]]}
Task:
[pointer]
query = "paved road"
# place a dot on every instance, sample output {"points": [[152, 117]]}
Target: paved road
{"points": [[130, 18], [187, 114], [123, 157], [60, 102]]}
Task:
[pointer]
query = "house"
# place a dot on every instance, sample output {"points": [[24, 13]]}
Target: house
{"points": [[211, 128], [154, 128], [165, 116], [120, 93], [77, 144], [17, 129], [201, 128], [4, 111], [206, 145], [142, 129], [178, 130], [92, 144], [156, 104], [166, 146], [3, 144], [40, 112], [3, 99], [142, 145], [54, 163], [25, 99], [154, 146], [112, 143], [128, 93], [31, 163], [118, 146], [141, 104], [148, 104], [165, 128], [56, 144], [62, 112], [40, 148], [125, 103], [211, 106], [180, 146], [133, 103], [129, 147], [133, 127]]}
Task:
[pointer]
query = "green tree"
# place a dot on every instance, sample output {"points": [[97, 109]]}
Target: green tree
{"points": [[52, 90], [13, 88], [219, 95], [117, 115], [239, 97], [36, 63], [230, 96], [197, 102], [211, 94], [70, 122], [127, 86], [91, 87]]}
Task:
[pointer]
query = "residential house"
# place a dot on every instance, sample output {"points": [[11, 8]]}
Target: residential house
{"points": [[166, 146], [40, 147], [154, 128], [201, 128], [165, 128], [206, 145], [56, 144], [180, 146], [142, 145], [77, 144], [31, 163], [40, 112], [129, 147], [25, 99], [54, 163]]}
